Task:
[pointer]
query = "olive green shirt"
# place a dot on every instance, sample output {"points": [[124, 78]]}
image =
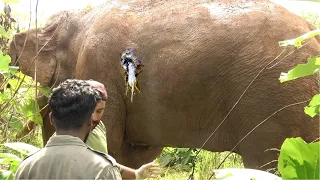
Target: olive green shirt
{"points": [[97, 139], [67, 157]]}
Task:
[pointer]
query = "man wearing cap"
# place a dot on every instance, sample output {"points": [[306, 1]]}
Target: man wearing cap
{"points": [[68, 92], [97, 139]]}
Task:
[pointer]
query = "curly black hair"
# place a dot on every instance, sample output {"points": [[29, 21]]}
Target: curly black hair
{"points": [[72, 103]]}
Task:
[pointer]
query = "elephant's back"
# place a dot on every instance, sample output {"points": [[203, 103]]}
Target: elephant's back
{"points": [[199, 59]]}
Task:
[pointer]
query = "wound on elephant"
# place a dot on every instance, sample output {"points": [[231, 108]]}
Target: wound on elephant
{"points": [[132, 66]]}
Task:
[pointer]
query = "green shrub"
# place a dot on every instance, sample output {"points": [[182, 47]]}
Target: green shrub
{"points": [[178, 158], [207, 161], [11, 156], [299, 160]]}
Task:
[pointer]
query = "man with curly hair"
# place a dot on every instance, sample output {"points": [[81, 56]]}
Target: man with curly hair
{"points": [[65, 155]]}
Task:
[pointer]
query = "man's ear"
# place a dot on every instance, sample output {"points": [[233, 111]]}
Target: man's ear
{"points": [[89, 122], [51, 120]]}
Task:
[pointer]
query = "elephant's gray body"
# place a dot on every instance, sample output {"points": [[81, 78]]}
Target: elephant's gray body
{"points": [[199, 58]]}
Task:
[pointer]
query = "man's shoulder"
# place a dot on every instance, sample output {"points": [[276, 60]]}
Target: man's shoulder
{"points": [[109, 159], [25, 165], [32, 155]]}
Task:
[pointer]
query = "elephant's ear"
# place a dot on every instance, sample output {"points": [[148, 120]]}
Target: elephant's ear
{"points": [[23, 49], [47, 36], [54, 21]]}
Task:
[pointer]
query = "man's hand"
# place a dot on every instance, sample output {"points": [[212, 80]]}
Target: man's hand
{"points": [[150, 170]]}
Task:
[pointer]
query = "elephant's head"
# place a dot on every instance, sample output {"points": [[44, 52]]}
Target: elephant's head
{"points": [[51, 44]]}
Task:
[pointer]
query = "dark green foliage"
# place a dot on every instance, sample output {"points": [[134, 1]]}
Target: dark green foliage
{"points": [[180, 158]]}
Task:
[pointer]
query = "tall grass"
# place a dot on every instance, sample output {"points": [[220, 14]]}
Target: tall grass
{"points": [[205, 163], [208, 161]]}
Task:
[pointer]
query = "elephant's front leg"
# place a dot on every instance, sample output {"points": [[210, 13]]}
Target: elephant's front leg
{"points": [[127, 154], [136, 155]]}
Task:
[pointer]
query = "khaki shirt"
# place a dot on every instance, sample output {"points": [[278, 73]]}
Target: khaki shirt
{"points": [[97, 139], [68, 157]]}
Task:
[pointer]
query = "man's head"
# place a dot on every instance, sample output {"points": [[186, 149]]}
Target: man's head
{"points": [[72, 104], [99, 110]]}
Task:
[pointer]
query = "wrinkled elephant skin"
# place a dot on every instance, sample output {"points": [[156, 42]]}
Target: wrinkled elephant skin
{"points": [[198, 57]]}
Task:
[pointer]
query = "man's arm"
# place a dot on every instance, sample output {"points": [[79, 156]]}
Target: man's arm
{"points": [[126, 172]]}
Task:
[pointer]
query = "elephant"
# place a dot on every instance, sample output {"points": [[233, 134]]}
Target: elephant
{"points": [[198, 57]]}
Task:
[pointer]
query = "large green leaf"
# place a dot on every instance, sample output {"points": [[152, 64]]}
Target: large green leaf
{"points": [[313, 108], [4, 61], [12, 70], [297, 42], [7, 158], [30, 108], [165, 160], [10, 159], [299, 160], [302, 70], [21, 147], [14, 166], [14, 83], [186, 158], [3, 32], [4, 97], [6, 174]]}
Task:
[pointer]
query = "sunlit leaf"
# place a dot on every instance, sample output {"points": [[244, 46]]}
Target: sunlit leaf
{"points": [[3, 32], [21, 147], [317, 60], [30, 108], [6, 174], [4, 97], [14, 166], [301, 70], [12, 70], [7, 158], [311, 111], [299, 160], [10, 159], [14, 83], [315, 100], [4, 62], [314, 106], [297, 42]]}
